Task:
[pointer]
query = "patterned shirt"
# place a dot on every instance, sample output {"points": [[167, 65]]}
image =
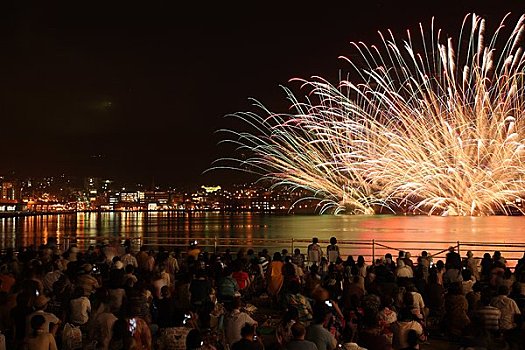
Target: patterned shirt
{"points": [[173, 338], [509, 309], [80, 310], [141, 334], [489, 317], [128, 259]]}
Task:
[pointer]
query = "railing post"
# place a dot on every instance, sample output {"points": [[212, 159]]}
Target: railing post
{"points": [[458, 249], [291, 252], [65, 242], [373, 251], [215, 244]]}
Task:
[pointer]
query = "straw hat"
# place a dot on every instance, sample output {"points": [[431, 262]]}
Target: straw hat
{"points": [[87, 268]]}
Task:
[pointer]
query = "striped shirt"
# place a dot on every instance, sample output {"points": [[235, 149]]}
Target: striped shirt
{"points": [[489, 317], [264, 264]]}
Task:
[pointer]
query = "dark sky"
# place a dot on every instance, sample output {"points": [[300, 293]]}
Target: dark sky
{"points": [[136, 90]]}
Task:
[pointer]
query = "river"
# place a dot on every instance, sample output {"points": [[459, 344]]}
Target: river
{"points": [[23, 231]]}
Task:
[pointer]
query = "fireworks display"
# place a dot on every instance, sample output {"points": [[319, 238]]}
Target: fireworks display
{"points": [[421, 126]]}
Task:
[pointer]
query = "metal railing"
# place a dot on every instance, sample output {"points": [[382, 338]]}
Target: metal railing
{"points": [[370, 249]]}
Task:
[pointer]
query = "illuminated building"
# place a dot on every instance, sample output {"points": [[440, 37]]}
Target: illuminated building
{"points": [[132, 196], [10, 191], [157, 200]]}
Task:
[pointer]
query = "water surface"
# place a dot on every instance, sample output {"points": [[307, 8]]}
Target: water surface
{"points": [[156, 227]]}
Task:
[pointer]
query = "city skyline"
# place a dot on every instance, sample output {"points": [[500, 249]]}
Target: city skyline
{"points": [[61, 194], [137, 92]]}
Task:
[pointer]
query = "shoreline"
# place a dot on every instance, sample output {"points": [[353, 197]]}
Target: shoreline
{"points": [[46, 213], [280, 212]]}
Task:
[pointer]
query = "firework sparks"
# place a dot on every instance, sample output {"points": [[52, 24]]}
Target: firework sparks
{"points": [[432, 127]]}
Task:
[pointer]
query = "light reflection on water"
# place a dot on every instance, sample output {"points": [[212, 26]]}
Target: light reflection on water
{"points": [[23, 231]]}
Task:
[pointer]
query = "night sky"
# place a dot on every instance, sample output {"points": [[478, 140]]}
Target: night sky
{"points": [[135, 91]]}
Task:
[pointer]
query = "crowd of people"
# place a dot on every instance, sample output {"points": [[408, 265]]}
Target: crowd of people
{"points": [[110, 297]]}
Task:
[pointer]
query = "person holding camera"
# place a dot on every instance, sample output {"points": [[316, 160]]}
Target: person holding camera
{"points": [[249, 340]]}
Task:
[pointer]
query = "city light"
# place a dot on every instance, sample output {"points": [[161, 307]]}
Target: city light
{"points": [[73, 194]]}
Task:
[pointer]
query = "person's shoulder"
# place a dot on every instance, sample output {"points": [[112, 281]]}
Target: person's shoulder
{"points": [[51, 315], [416, 326], [324, 332], [244, 344], [301, 345], [309, 345], [312, 331]]}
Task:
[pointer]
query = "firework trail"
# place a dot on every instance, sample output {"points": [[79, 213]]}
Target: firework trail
{"points": [[427, 125]]}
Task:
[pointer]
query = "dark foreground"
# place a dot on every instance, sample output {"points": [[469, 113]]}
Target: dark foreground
{"points": [[110, 297]]}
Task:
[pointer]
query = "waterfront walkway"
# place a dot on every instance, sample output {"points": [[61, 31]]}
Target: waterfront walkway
{"points": [[370, 249]]}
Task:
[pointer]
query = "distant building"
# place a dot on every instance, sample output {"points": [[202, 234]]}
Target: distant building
{"points": [[10, 196], [156, 200], [132, 196], [10, 191]]}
